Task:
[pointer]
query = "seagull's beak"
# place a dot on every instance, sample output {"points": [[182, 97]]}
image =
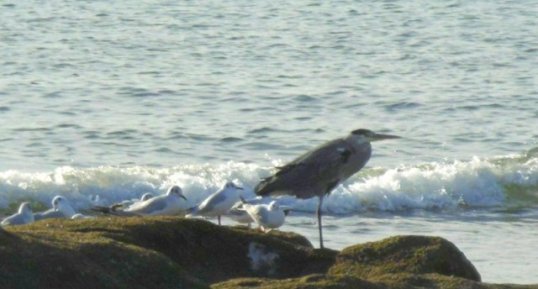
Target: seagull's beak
{"points": [[380, 136]]}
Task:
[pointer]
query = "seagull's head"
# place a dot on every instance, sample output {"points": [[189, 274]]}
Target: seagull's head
{"points": [[273, 206], [146, 196], [232, 186], [57, 201], [365, 135], [176, 190], [61, 204], [25, 208]]}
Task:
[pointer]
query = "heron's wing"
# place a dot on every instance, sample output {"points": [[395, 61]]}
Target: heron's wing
{"points": [[311, 174], [148, 207]]}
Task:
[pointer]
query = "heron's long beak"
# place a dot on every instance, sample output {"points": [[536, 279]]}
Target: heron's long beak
{"points": [[182, 196], [379, 136]]}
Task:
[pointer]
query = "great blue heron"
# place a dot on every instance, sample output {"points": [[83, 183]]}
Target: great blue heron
{"points": [[318, 172]]}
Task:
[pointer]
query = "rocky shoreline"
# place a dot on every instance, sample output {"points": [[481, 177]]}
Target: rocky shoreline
{"points": [[170, 252]]}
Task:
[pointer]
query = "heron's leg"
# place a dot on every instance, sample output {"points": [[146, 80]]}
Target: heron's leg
{"points": [[218, 218], [319, 222]]}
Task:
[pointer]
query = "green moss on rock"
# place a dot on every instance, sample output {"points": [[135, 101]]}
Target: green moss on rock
{"points": [[146, 252], [405, 254], [315, 281], [172, 252]]}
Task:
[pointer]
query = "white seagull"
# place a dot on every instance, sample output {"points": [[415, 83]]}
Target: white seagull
{"points": [[167, 204], [218, 203], [60, 209], [268, 217], [127, 203], [239, 214], [23, 216], [79, 216]]}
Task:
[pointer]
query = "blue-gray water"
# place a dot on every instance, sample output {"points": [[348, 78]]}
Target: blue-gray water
{"points": [[114, 99]]}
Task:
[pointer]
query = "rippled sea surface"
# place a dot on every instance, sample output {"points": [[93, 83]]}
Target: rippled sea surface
{"points": [[111, 99]]}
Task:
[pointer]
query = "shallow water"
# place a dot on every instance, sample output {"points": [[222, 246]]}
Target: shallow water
{"points": [[104, 101]]}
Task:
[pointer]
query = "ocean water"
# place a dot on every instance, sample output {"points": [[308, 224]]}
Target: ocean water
{"points": [[102, 101]]}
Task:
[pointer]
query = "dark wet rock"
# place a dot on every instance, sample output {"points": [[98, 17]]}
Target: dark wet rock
{"points": [[168, 252]]}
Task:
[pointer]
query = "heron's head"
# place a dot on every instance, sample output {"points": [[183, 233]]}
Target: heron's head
{"points": [[366, 135], [176, 190], [25, 208]]}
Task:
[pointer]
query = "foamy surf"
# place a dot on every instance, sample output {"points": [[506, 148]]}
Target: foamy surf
{"points": [[448, 185]]}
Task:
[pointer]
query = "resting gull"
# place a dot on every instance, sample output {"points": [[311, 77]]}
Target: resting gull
{"points": [[60, 209], [23, 216], [170, 203], [267, 216]]}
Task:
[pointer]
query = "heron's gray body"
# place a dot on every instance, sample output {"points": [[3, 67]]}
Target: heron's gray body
{"points": [[317, 172]]}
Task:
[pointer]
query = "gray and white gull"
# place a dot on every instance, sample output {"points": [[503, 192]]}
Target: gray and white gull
{"points": [[23, 216], [218, 203]]}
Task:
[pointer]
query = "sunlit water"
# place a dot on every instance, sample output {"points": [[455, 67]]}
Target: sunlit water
{"points": [[103, 101]]}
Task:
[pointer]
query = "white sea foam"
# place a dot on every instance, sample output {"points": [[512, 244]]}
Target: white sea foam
{"points": [[431, 186]]}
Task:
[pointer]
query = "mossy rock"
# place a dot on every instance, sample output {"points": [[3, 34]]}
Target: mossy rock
{"points": [[389, 281], [158, 252], [404, 254], [173, 252], [313, 281]]}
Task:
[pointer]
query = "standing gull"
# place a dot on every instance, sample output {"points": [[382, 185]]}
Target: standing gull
{"points": [[23, 216], [170, 203], [218, 203], [60, 209], [317, 172]]}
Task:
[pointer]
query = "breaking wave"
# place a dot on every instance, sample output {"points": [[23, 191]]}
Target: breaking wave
{"points": [[506, 181]]}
